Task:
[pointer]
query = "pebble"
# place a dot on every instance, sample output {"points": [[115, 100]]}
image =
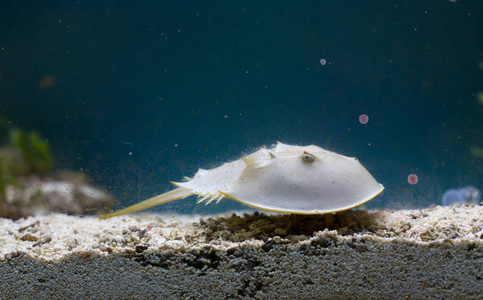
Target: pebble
{"points": [[29, 237], [280, 231]]}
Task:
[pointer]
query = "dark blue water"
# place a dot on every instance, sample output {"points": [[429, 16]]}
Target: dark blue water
{"points": [[138, 94]]}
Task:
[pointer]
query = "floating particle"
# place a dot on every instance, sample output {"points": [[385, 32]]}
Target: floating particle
{"points": [[323, 61], [363, 119], [413, 179], [47, 82]]}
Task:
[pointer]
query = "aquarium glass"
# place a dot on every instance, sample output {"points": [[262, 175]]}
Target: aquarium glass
{"points": [[135, 94]]}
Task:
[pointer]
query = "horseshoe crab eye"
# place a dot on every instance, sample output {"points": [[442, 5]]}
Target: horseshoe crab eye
{"points": [[307, 157]]}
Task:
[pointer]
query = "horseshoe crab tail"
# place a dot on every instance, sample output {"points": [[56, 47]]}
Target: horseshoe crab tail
{"points": [[175, 194]]}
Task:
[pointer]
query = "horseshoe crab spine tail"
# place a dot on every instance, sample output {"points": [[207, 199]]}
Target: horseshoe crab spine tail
{"points": [[175, 194]]}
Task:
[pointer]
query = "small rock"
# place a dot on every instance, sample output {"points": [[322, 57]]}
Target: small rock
{"points": [[43, 195], [29, 237], [299, 238], [280, 231], [70, 242], [44, 240]]}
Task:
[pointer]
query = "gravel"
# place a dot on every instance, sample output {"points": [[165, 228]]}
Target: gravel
{"points": [[381, 254]]}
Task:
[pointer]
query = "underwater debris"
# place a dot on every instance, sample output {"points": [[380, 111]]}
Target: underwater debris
{"points": [[466, 195]]}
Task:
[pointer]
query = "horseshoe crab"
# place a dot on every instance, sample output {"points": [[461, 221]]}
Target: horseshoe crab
{"points": [[287, 179]]}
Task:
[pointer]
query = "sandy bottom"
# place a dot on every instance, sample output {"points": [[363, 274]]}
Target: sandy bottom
{"points": [[417, 254]]}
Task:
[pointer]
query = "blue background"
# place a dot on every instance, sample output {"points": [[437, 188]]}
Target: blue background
{"points": [[184, 85]]}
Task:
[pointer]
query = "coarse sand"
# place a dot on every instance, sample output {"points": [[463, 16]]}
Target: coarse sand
{"points": [[381, 254]]}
